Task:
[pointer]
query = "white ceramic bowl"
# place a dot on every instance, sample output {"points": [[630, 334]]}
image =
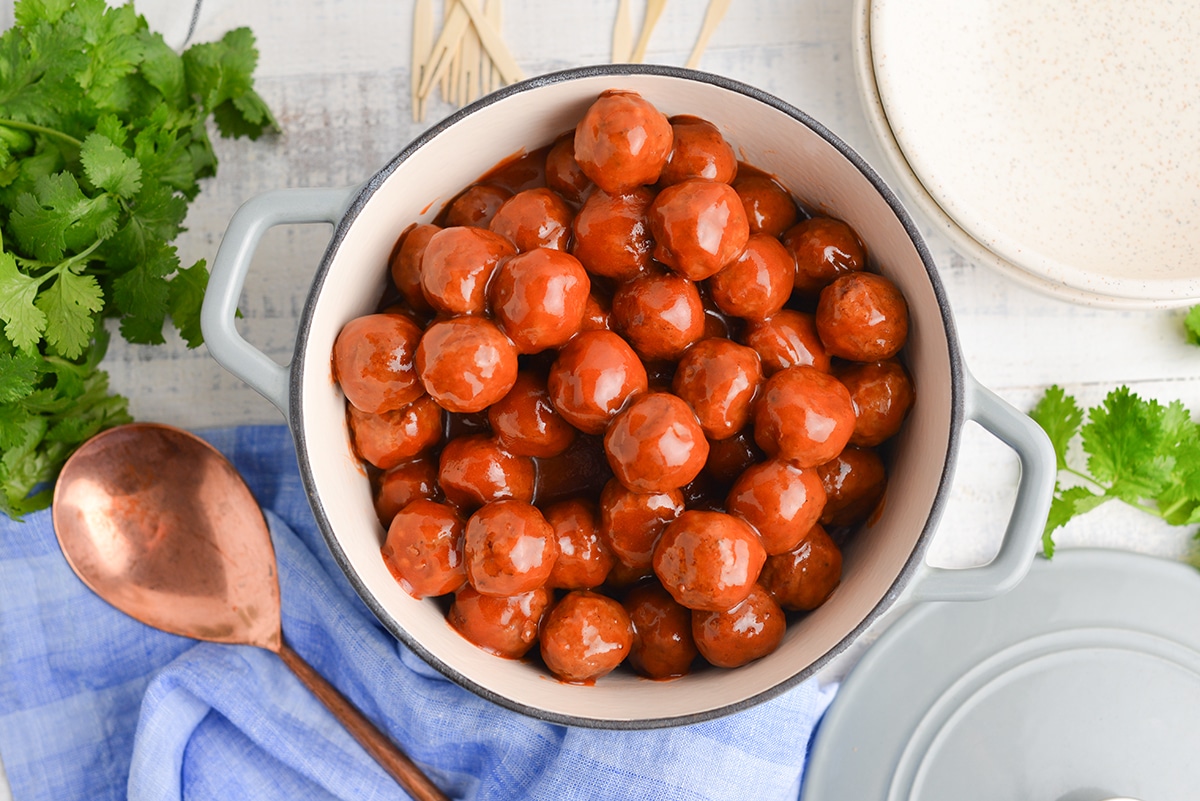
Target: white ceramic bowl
{"points": [[1052, 143], [826, 175]]}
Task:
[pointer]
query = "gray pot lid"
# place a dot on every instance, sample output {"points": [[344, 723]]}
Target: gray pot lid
{"points": [[1081, 684]]}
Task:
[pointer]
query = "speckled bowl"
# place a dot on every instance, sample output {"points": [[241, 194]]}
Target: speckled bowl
{"points": [[880, 562]]}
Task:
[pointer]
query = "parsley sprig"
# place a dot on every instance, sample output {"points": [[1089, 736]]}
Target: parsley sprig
{"points": [[1137, 451], [104, 139]]}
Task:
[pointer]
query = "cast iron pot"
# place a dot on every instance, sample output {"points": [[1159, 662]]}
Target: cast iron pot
{"points": [[885, 558]]}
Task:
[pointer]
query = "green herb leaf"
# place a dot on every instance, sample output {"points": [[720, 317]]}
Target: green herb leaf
{"points": [[1191, 325], [1061, 417], [109, 168], [23, 321]]}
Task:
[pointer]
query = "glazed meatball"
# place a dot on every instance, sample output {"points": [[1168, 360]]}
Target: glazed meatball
{"points": [[719, 379], [708, 560], [758, 282], [466, 363], [788, 339], [563, 174], [824, 249], [622, 142], [698, 151], [593, 377], [405, 266], [585, 636], [782, 501], [854, 483], [535, 218], [698, 227], [387, 439], [632, 522], [882, 394], [509, 548], [457, 265], [525, 421], [612, 234], [659, 313], [403, 484], [477, 206], [539, 297], [769, 208], [373, 362], [502, 625], [476, 469], [739, 635], [423, 550], [656, 444], [597, 314], [804, 415], [862, 317], [805, 576], [729, 458], [584, 559], [663, 646]]}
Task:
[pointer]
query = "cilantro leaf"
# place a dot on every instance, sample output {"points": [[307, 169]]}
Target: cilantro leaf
{"points": [[1061, 417], [69, 304], [23, 321], [1123, 438], [109, 168], [186, 297], [1191, 325]]}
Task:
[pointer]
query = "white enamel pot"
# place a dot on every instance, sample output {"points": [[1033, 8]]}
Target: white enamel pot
{"points": [[883, 560]]}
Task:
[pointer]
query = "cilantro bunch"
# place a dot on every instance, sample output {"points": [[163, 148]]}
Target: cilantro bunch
{"points": [[103, 142], [1137, 451]]}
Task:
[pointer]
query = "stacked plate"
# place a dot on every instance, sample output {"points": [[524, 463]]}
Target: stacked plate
{"points": [[1056, 142]]}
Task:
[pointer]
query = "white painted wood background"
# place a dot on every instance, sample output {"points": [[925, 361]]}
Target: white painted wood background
{"points": [[336, 74]]}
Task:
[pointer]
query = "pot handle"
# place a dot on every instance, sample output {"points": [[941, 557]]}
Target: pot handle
{"points": [[228, 275], [1034, 493]]}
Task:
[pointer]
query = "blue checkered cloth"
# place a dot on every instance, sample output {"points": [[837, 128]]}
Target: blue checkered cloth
{"points": [[96, 706]]}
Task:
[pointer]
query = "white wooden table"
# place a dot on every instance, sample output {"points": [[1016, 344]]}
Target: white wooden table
{"points": [[337, 76]]}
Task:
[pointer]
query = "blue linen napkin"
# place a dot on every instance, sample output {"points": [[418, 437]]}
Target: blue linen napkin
{"points": [[94, 705]]}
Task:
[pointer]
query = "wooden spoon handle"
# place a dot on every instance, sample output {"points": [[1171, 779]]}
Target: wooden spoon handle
{"points": [[390, 758]]}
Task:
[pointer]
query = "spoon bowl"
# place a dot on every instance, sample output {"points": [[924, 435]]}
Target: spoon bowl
{"points": [[159, 524]]}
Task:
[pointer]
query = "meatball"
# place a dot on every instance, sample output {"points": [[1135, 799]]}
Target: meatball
{"points": [[612, 234], [403, 484], [719, 379], [739, 635], [632, 522], [805, 576], [862, 317], [824, 249], [387, 439], [708, 560], [563, 174], [424, 549], [593, 377], [584, 560], [659, 313], [698, 151], [882, 394], [373, 362], [663, 646], [769, 208], [597, 314], [525, 422], [509, 548], [787, 339], [854, 483], [476, 206], [782, 501], [804, 415], [535, 218], [698, 227], [466, 363], [622, 142], [502, 625], [729, 458], [405, 266], [758, 282], [656, 444], [476, 469], [457, 264], [585, 636], [539, 297]]}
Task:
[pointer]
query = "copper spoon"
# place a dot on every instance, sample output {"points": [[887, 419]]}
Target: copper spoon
{"points": [[159, 524]]}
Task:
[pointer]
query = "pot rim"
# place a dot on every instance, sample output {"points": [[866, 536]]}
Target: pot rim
{"points": [[957, 391]]}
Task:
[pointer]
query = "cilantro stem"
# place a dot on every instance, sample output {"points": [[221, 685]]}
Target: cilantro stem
{"points": [[1085, 477], [41, 129]]}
